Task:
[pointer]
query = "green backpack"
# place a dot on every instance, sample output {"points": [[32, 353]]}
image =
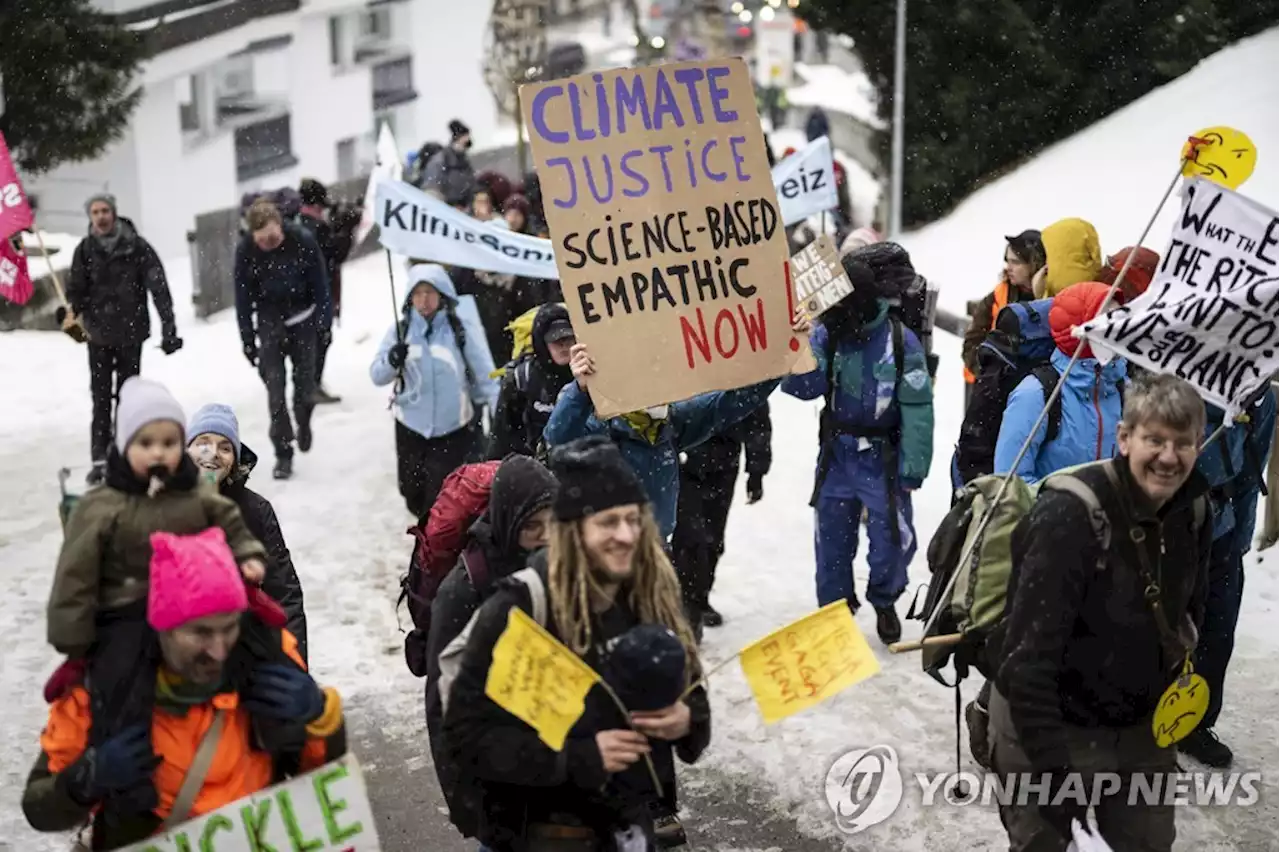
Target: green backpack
{"points": [[974, 605]]}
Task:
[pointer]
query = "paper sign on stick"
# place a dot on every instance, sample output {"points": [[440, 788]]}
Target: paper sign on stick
{"points": [[1227, 156], [806, 182], [15, 277], [819, 277], [666, 228], [1209, 315], [538, 680], [326, 809], [807, 662], [15, 211]]}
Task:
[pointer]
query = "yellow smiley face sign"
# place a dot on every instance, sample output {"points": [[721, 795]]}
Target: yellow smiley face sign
{"points": [[1226, 156], [1181, 707]]}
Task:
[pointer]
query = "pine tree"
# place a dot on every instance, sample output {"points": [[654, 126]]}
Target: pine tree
{"points": [[67, 74]]}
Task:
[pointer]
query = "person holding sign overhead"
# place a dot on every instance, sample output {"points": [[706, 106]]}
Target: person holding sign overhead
{"points": [[605, 591], [876, 444], [224, 726]]}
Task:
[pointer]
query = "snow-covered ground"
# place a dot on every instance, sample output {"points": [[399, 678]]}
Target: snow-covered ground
{"points": [[1113, 173], [345, 522], [834, 88]]}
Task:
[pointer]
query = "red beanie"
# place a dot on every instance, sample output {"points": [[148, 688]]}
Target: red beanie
{"points": [[1075, 306], [1141, 271]]}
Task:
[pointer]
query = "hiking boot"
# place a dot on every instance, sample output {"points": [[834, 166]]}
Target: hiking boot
{"points": [[1205, 747], [711, 618], [323, 397], [283, 468], [97, 474], [977, 719], [669, 832], [304, 437], [888, 625]]}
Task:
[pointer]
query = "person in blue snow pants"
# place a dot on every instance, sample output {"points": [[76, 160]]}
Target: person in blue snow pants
{"points": [[875, 445]]}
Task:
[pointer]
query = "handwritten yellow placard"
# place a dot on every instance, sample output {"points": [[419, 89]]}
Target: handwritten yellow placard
{"points": [[807, 662], [538, 680]]}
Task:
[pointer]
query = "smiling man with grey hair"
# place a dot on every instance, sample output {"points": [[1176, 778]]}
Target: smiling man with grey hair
{"points": [[1105, 601]]}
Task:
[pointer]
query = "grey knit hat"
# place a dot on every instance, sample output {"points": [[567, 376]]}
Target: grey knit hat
{"points": [[105, 197], [143, 401]]}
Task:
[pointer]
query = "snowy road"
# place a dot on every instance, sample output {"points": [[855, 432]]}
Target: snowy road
{"points": [[758, 788]]}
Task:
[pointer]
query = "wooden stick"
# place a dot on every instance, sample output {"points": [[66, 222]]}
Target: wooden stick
{"points": [[57, 282], [626, 714], [927, 642], [717, 667]]}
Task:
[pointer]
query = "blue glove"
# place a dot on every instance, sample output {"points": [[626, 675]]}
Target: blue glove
{"points": [[284, 693], [122, 762]]}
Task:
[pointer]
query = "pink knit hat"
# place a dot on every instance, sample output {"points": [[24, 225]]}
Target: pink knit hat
{"points": [[192, 576]]}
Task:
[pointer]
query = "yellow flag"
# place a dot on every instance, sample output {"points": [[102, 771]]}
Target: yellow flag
{"points": [[807, 662], [536, 679]]}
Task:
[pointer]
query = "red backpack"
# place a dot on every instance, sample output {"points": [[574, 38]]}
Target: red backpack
{"points": [[439, 540]]}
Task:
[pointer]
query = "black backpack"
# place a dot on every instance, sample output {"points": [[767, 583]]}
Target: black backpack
{"points": [[910, 298]]}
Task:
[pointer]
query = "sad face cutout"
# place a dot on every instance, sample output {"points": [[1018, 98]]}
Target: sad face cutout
{"points": [[1227, 158], [1181, 708]]}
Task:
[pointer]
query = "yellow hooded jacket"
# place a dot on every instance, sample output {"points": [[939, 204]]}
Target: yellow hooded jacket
{"points": [[1072, 254]]}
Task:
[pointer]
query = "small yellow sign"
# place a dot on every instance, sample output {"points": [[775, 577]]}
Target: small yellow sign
{"points": [[1181, 707], [538, 680], [1226, 157], [807, 662]]}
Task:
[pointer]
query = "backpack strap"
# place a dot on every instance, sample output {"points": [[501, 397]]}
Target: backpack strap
{"points": [[1097, 517], [520, 375], [1048, 376], [532, 581], [197, 771], [460, 335]]}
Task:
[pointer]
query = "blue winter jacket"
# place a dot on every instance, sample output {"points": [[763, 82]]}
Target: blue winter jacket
{"points": [[688, 424], [1091, 403], [864, 373], [436, 400], [1235, 507]]}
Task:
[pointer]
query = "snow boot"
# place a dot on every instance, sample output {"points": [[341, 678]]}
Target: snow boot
{"points": [[283, 468], [1204, 746], [323, 397], [711, 618], [304, 437], [888, 625], [668, 831]]}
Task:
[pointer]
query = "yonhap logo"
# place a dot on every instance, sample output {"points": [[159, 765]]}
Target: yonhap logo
{"points": [[864, 788]]}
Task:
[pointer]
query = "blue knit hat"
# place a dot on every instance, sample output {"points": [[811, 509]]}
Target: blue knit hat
{"points": [[216, 419]]}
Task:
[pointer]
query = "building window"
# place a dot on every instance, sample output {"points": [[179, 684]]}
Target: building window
{"points": [[393, 83], [264, 147], [189, 104], [347, 166], [335, 41], [375, 25]]}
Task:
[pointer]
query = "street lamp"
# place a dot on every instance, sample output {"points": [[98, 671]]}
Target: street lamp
{"points": [[766, 13], [899, 95]]}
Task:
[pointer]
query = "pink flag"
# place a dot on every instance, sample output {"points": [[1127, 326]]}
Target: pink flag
{"points": [[15, 212], [15, 278]]}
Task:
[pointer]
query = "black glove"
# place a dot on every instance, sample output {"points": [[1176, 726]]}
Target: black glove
{"points": [[171, 343], [1059, 816], [60, 314], [286, 693], [324, 337], [397, 355], [251, 353], [755, 488], [122, 762]]}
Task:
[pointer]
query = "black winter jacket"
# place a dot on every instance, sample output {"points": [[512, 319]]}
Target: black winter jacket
{"points": [[721, 451], [517, 778], [1080, 644], [282, 283], [528, 392], [281, 581], [108, 290]]}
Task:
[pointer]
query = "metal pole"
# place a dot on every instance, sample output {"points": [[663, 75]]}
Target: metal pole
{"points": [[899, 96]]}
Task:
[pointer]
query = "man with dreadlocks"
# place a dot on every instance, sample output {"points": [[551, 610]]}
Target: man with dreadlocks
{"points": [[604, 588]]}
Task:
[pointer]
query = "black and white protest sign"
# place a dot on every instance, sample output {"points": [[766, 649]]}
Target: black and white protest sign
{"points": [[806, 182], [818, 277], [415, 224], [1209, 315]]}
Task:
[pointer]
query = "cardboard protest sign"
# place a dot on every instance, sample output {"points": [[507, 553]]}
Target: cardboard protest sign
{"points": [[806, 182], [807, 662], [1209, 315], [15, 211], [1223, 155], [415, 224], [326, 809], [819, 277], [666, 229], [538, 680]]}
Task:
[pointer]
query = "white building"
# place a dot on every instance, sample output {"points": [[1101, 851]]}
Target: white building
{"points": [[242, 95]]}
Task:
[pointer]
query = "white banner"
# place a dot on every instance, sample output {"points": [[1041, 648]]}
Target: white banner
{"points": [[326, 809], [388, 167], [1209, 315], [806, 182], [421, 226]]}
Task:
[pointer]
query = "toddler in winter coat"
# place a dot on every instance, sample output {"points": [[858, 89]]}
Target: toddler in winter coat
{"points": [[97, 607]]}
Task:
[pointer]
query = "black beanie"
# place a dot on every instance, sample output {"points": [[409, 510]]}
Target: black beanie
{"points": [[646, 668], [313, 192], [521, 488], [593, 476], [457, 129]]}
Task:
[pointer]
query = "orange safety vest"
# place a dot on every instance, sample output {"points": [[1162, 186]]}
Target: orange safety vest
{"points": [[1001, 293]]}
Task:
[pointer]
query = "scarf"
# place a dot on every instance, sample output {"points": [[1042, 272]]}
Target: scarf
{"points": [[175, 696], [109, 240], [646, 427]]}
